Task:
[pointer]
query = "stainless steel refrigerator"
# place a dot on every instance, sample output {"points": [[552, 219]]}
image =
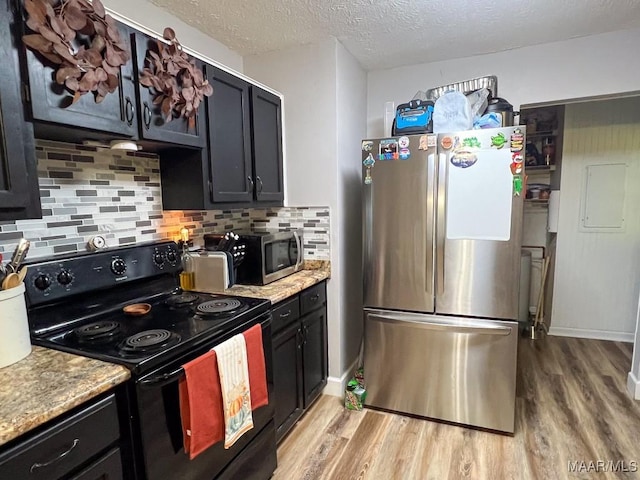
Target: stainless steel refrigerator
{"points": [[442, 237]]}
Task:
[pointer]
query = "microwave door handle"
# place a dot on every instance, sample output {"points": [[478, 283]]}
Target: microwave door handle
{"points": [[299, 244]]}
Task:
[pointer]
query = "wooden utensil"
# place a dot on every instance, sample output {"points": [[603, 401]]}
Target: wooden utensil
{"points": [[22, 273], [11, 281]]}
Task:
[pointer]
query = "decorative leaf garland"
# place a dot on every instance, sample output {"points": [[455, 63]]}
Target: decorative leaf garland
{"points": [[60, 25], [179, 84]]}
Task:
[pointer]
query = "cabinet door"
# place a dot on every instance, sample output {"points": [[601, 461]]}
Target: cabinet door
{"points": [[19, 197], [229, 118], [152, 125], [51, 102], [266, 124], [287, 378], [314, 354]]}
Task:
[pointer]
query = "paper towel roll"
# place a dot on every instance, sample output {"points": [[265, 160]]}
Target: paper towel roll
{"points": [[554, 211]]}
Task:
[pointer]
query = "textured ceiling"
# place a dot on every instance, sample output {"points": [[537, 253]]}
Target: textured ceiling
{"points": [[391, 33]]}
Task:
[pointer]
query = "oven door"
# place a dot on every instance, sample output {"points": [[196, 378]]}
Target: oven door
{"points": [[160, 429]]}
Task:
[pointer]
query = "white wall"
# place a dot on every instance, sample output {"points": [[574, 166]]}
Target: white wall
{"points": [[582, 67], [324, 120], [156, 19], [597, 278], [351, 128], [306, 76]]}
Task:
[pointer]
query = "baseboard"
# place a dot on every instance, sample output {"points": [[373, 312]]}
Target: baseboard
{"points": [[595, 334], [336, 385], [633, 386]]}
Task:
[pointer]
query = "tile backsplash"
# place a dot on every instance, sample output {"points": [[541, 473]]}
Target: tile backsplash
{"points": [[86, 191]]}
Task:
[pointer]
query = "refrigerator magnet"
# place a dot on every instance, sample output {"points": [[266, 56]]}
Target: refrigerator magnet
{"points": [[388, 149], [517, 140], [471, 142], [516, 168], [517, 186], [405, 153], [517, 157], [463, 158], [367, 145], [403, 142], [446, 143], [367, 176], [369, 161], [423, 143], [499, 140]]}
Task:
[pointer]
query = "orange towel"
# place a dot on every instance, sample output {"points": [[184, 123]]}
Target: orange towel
{"points": [[257, 370], [201, 404]]}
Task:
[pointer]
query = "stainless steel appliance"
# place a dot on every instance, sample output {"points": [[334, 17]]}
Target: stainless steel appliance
{"points": [[442, 236], [75, 304], [270, 256]]}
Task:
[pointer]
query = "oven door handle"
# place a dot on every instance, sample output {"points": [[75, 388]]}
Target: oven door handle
{"points": [[162, 379]]}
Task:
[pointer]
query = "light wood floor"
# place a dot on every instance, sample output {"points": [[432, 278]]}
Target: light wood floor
{"points": [[571, 405]]}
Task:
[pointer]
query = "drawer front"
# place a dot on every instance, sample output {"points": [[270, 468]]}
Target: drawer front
{"points": [[284, 313], [312, 298], [56, 451], [107, 467]]}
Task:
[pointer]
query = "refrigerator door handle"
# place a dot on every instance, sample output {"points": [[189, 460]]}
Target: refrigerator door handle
{"points": [[431, 198], [441, 226], [447, 327]]}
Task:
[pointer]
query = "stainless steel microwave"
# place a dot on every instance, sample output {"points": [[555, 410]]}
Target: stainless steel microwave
{"points": [[270, 256]]}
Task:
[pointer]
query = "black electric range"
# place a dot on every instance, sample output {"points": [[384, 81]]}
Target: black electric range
{"points": [[76, 303]]}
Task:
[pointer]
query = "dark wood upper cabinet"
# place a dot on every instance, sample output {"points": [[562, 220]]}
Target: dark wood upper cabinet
{"points": [[19, 193], [266, 128], [152, 125], [51, 102], [243, 164], [229, 121]]}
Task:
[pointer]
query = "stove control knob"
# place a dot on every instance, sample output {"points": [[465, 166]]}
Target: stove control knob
{"points": [[118, 266], [42, 281], [65, 277], [172, 257], [158, 259]]}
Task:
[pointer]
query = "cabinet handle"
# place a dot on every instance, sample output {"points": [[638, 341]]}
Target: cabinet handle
{"points": [[305, 334], [146, 116], [314, 298], [251, 184], [285, 315], [35, 466], [129, 112], [259, 184], [299, 339]]}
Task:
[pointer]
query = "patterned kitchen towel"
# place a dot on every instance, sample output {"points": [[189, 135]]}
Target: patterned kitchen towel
{"points": [[201, 405], [234, 382]]}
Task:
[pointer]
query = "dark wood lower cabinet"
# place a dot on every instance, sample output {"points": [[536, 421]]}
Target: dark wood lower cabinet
{"points": [[314, 354], [299, 356], [82, 445], [287, 378]]}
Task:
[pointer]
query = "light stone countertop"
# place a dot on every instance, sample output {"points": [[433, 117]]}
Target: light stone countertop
{"points": [[315, 271], [48, 383]]}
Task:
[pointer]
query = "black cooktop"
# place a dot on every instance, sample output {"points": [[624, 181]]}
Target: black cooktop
{"points": [[76, 304], [176, 323]]}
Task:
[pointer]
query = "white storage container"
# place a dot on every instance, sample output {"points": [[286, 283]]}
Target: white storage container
{"points": [[15, 343]]}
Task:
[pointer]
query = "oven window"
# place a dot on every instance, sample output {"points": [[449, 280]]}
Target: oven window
{"points": [[279, 255]]}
